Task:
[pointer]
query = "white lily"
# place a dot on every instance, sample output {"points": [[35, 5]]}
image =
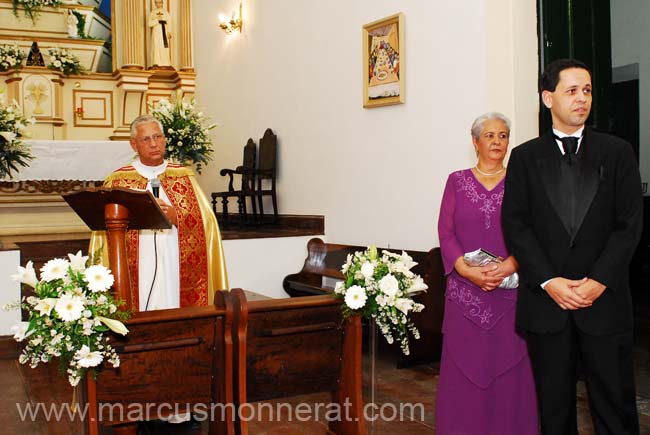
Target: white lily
{"points": [[114, 325], [26, 275], [78, 261]]}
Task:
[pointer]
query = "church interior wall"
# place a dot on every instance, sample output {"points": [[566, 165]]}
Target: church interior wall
{"points": [[376, 175]]}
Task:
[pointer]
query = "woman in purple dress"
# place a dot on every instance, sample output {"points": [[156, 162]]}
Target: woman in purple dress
{"points": [[486, 383]]}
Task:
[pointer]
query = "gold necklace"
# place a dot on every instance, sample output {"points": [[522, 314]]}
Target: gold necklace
{"points": [[489, 174]]}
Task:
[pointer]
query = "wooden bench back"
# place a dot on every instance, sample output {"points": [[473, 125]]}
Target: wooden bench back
{"points": [[325, 260], [289, 347], [177, 356]]}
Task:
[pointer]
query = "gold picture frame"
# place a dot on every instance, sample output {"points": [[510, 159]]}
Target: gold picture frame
{"points": [[383, 61]]}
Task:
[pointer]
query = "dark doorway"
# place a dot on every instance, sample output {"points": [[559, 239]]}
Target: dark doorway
{"points": [[625, 112]]}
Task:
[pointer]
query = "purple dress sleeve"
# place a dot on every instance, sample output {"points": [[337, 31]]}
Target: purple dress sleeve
{"points": [[450, 247]]}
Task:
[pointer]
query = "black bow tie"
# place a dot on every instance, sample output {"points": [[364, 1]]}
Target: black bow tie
{"points": [[570, 145]]}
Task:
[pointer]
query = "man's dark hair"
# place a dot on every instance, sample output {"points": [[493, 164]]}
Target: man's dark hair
{"points": [[551, 75]]}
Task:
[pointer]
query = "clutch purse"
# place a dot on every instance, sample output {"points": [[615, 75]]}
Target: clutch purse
{"points": [[481, 257]]}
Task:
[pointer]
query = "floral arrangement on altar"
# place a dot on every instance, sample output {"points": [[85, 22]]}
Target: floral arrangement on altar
{"points": [[33, 7], [381, 288], [11, 56], [13, 152], [69, 315], [186, 130], [64, 61]]}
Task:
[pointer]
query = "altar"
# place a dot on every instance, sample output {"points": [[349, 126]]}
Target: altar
{"points": [[31, 203]]}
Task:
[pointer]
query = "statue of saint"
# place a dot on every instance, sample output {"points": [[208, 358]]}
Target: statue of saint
{"points": [[71, 21], [35, 58], [160, 24]]}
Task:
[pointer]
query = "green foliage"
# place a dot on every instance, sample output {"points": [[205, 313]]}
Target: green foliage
{"points": [[382, 288], [33, 7]]}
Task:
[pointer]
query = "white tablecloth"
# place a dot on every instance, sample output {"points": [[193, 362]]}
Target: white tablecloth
{"points": [[74, 159]]}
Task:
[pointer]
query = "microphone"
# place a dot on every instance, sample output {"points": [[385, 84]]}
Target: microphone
{"points": [[155, 187]]}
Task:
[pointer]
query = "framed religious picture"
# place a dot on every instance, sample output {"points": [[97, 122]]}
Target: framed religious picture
{"points": [[383, 61]]}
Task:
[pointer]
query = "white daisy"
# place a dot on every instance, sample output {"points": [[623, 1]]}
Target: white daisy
{"points": [[99, 278], [86, 358], [54, 269], [355, 297], [69, 308]]}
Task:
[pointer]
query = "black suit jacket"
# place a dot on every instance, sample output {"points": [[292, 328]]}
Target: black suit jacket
{"points": [[609, 223]]}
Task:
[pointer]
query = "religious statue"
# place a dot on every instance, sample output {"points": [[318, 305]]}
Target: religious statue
{"points": [[35, 58], [71, 21], [160, 24]]}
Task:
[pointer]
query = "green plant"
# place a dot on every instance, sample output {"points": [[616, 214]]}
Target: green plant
{"points": [[33, 7], [186, 130], [382, 288], [64, 61], [69, 315], [13, 152], [11, 57]]}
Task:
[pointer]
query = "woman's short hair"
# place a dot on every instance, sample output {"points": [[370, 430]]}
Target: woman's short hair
{"points": [[477, 125], [143, 119]]}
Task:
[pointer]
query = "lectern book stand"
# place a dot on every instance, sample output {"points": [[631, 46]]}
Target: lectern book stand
{"points": [[116, 210], [170, 357]]}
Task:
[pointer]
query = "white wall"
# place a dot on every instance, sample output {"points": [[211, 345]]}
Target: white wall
{"points": [[629, 33], [9, 289], [270, 268], [376, 174]]}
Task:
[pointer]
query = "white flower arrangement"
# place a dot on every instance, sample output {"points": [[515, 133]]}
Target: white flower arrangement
{"points": [[382, 288], [69, 315], [11, 57], [186, 129], [13, 152], [33, 7], [64, 61]]}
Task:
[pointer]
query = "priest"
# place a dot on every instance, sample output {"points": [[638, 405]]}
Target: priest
{"points": [[181, 266]]}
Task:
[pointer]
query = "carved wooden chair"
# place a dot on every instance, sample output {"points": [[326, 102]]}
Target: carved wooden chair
{"points": [[265, 173], [246, 172]]}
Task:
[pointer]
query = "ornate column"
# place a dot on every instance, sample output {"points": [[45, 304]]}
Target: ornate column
{"points": [[133, 55], [185, 36]]}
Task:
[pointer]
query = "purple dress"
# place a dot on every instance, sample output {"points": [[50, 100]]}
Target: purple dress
{"points": [[486, 383]]}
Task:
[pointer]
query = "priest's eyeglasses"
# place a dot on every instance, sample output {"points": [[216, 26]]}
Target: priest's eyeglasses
{"points": [[147, 140]]}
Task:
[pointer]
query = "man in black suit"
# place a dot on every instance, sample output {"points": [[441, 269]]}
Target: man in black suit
{"points": [[572, 216]]}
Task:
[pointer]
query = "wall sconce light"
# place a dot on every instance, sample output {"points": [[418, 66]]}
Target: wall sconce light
{"points": [[233, 25]]}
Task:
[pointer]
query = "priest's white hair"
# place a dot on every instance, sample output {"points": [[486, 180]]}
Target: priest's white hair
{"points": [[143, 119]]}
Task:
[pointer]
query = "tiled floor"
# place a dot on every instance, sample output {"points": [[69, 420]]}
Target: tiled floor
{"points": [[393, 387]]}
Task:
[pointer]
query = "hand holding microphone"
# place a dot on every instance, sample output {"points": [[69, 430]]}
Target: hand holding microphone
{"points": [[169, 211]]}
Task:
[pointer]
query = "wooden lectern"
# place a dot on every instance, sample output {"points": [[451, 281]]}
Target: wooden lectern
{"points": [[177, 357], [116, 210]]}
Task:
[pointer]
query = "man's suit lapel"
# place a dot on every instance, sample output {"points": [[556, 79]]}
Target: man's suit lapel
{"points": [[590, 173], [548, 164]]}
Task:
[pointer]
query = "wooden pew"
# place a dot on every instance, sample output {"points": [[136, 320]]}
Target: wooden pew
{"points": [[177, 356], [324, 260], [294, 346]]}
